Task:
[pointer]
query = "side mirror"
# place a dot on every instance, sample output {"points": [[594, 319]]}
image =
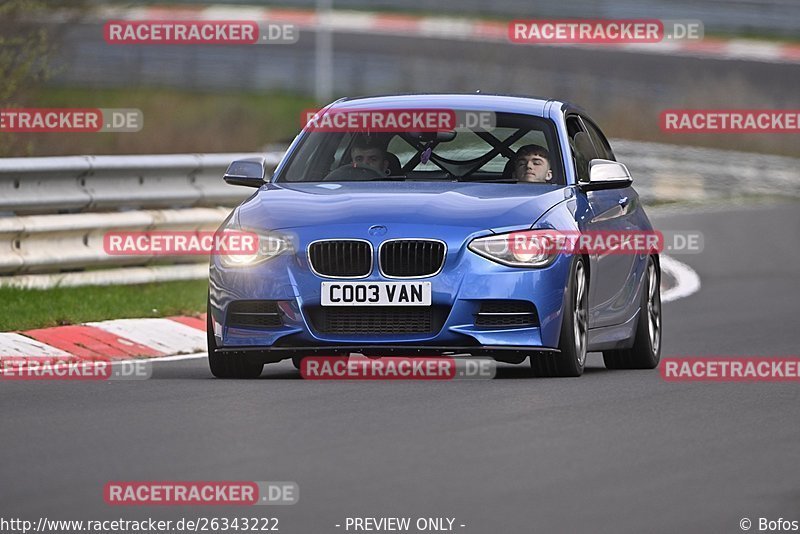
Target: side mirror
{"points": [[607, 174], [247, 172]]}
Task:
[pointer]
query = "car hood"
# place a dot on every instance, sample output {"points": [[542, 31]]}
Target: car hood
{"points": [[478, 206]]}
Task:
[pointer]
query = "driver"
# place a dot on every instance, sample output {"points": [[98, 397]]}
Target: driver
{"points": [[532, 164], [368, 151]]}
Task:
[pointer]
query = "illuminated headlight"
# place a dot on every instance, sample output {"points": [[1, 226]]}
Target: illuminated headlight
{"points": [[267, 246], [533, 248]]}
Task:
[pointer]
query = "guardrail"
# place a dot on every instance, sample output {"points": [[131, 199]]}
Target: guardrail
{"points": [[55, 211], [52, 243], [80, 183]]}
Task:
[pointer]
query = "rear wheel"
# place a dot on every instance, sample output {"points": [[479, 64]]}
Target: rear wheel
{"points": [[574, 338], [646, 350], [231, 365]]}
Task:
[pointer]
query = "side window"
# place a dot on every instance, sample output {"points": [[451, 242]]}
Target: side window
{"points": [[319, 152], [599, 140], [582, 148]]}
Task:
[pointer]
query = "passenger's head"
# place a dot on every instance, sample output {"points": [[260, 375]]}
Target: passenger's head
{"points": [[532, 164], [369, 151]]}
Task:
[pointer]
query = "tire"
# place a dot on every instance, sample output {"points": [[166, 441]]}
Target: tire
{"points": [[231, 365], [574, 338], [646, 350]]}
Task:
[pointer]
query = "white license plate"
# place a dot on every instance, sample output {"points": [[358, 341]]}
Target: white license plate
{"points": [[376, 293]]}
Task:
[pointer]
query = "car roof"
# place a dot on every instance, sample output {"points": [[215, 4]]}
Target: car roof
{"points": [[472, 101]]}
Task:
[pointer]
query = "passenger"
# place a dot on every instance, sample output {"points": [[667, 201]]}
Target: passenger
{"points": [[532, 164]]}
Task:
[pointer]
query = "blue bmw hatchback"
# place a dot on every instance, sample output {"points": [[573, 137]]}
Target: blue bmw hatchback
{"points": [[398, 239]]}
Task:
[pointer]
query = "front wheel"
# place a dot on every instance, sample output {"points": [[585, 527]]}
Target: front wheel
{"points": [[646, 350], [574, 338], [231, 365]]}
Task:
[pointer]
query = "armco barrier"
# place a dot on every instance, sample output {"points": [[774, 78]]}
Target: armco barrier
{"points": [[54, 212], [81, 183], [50, 243]]}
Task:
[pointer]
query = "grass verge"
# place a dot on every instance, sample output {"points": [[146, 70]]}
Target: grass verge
{"points": [[24, 309]]}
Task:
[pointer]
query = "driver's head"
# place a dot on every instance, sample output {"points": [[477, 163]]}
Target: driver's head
{"points": [[368, 151], [532, 164]]}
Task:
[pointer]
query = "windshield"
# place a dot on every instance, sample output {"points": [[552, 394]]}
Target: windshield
{"points": [[517, 149]]}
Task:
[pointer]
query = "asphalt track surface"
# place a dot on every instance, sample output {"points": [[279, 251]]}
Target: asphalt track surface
{"points": [[612, 451]]}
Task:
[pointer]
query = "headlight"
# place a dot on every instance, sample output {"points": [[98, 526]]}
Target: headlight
{"points": [[269, 245], [530, 248]]}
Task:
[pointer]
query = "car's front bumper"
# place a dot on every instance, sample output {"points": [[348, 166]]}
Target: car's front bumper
{"points": [[466, 281]]}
